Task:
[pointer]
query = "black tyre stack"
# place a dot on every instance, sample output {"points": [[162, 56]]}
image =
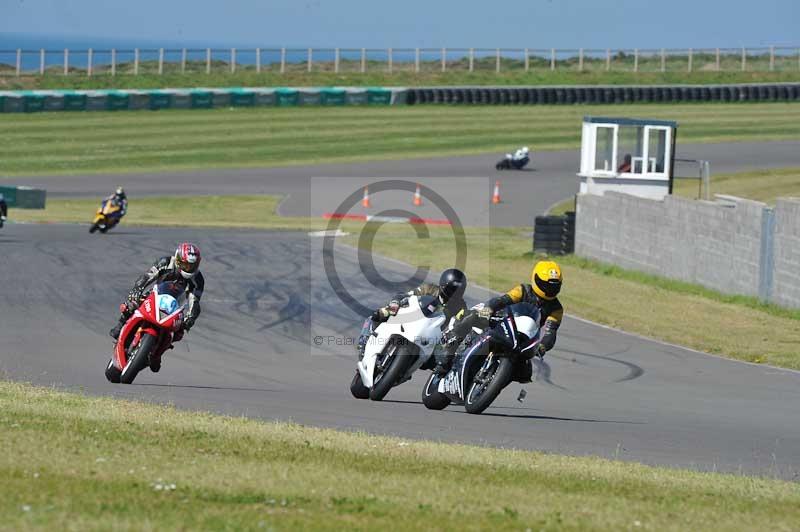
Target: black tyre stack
{"points": [[554, 235]]}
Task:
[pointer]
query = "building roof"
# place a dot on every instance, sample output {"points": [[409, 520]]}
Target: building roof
{"points": [[629, 121]]}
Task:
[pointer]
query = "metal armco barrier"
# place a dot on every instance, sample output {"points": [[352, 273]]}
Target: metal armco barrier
{"points": [[569, 95], [554, 235]]}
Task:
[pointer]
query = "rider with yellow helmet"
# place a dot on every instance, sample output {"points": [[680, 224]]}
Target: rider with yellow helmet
{"points": [[543, 292]]}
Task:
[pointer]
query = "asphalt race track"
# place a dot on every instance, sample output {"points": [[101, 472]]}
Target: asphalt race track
{"points": [[602, 392], [254, 352], [550, 178]]}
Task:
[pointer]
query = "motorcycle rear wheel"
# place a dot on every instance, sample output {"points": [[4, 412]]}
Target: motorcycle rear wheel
{"points": [[139, 360], [432, 398], [385, 381], [481, 396], [357, 387]]}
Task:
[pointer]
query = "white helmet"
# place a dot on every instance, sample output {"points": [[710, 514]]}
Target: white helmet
{"points": [[525, 150]]}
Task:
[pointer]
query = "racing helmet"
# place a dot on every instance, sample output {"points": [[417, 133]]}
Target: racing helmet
{"points": [[120, 192], [525, 150], [452, 283], [187, 259], [546, 279]]}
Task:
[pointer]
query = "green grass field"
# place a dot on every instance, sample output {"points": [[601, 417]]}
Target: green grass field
{"points": [[499, 258], [73, 462], [377, 75], [76, 143]]}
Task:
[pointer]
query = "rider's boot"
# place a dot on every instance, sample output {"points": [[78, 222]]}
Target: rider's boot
{"points": [[523, 371], [125, 314]]}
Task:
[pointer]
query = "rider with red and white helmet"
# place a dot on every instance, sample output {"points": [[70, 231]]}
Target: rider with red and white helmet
{"points": [[182, 272]]}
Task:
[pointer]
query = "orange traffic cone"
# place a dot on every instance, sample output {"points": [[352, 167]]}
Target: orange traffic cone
{"points": [[417, 197], [496, 194], [365, 202]]}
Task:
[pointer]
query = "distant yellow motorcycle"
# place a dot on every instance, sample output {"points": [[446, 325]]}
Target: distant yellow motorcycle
{"points": [[108, 215]]}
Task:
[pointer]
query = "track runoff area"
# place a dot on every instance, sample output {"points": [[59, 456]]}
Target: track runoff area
{"points": [[275, 337]]}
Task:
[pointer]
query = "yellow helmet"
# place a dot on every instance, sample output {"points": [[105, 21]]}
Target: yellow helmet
{"points": [[546, 279]]}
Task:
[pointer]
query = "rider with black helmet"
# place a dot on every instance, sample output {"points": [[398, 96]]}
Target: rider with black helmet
{"points": [[449, 293]]}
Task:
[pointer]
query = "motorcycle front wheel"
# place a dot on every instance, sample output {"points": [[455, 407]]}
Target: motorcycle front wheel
{"points": [[139, 358], [357, 387], [490, 380], [391, 372], [432, 398]]}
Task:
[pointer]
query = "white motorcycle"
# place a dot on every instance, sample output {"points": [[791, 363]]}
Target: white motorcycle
{"points": [[398, 347]]}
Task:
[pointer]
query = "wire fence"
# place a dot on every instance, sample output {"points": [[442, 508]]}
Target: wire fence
{"points": [[164, 61]]}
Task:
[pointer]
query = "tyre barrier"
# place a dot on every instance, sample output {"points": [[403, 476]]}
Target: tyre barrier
{"points": [[554, 235], [608, 94]]}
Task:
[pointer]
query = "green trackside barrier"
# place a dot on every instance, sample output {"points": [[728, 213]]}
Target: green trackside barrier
{"points": [[308, 97], [201, 99], [355, 97], [242, 98], [264, 97], [74, 101], [32, 102], [181, 99], [220, 98], [96, 101], [138, 100], [117, 100], [159, 100], [331, 96], [377, 96], [287, 97], [24, 197], [2, 103], [14, 103], [53, 100]]}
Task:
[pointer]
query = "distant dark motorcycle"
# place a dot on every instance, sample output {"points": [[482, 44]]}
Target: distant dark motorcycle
{"points": [[507, 163]]}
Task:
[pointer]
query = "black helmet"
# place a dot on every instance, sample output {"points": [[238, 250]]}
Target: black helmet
{"points": [[452, 284], [120, 192]]}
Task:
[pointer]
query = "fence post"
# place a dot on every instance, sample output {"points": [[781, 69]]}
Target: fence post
{"points": [[258, 60], [89, 57], [113, 62], [416, 60], [705, 175], [233, 60], [19, 61], [527, 61], [663, 60], [608, 59], [160, 61], [363, 60], [183, 60], [66, 61], [135, 61], [497, 61], [444, 60], [471, 59], [689, 65], [391, 61], [208, 60], [744, 59], [336, 61], [283, 60], [717, 59], [771, 58], [309, 61], [580, 60], [41, 62], [636, 60], [552, 58]]}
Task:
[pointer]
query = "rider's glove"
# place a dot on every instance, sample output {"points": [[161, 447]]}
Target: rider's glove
{"points": [[393, 307], [485, 312], [135, 296], [540, 350]]}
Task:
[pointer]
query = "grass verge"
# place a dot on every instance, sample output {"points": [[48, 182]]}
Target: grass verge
{"points": [[79, 143], [86, 463], [377, 76], [499, 258]]}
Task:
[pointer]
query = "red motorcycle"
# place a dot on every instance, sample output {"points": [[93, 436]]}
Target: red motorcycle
{"points": [[146, 335]]}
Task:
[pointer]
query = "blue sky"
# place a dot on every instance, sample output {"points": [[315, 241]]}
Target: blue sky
{"points": [[412, 23]]}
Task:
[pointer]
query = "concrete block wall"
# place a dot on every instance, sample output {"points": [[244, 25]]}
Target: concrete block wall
{"points": [[786, 255], [715, 244]]}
